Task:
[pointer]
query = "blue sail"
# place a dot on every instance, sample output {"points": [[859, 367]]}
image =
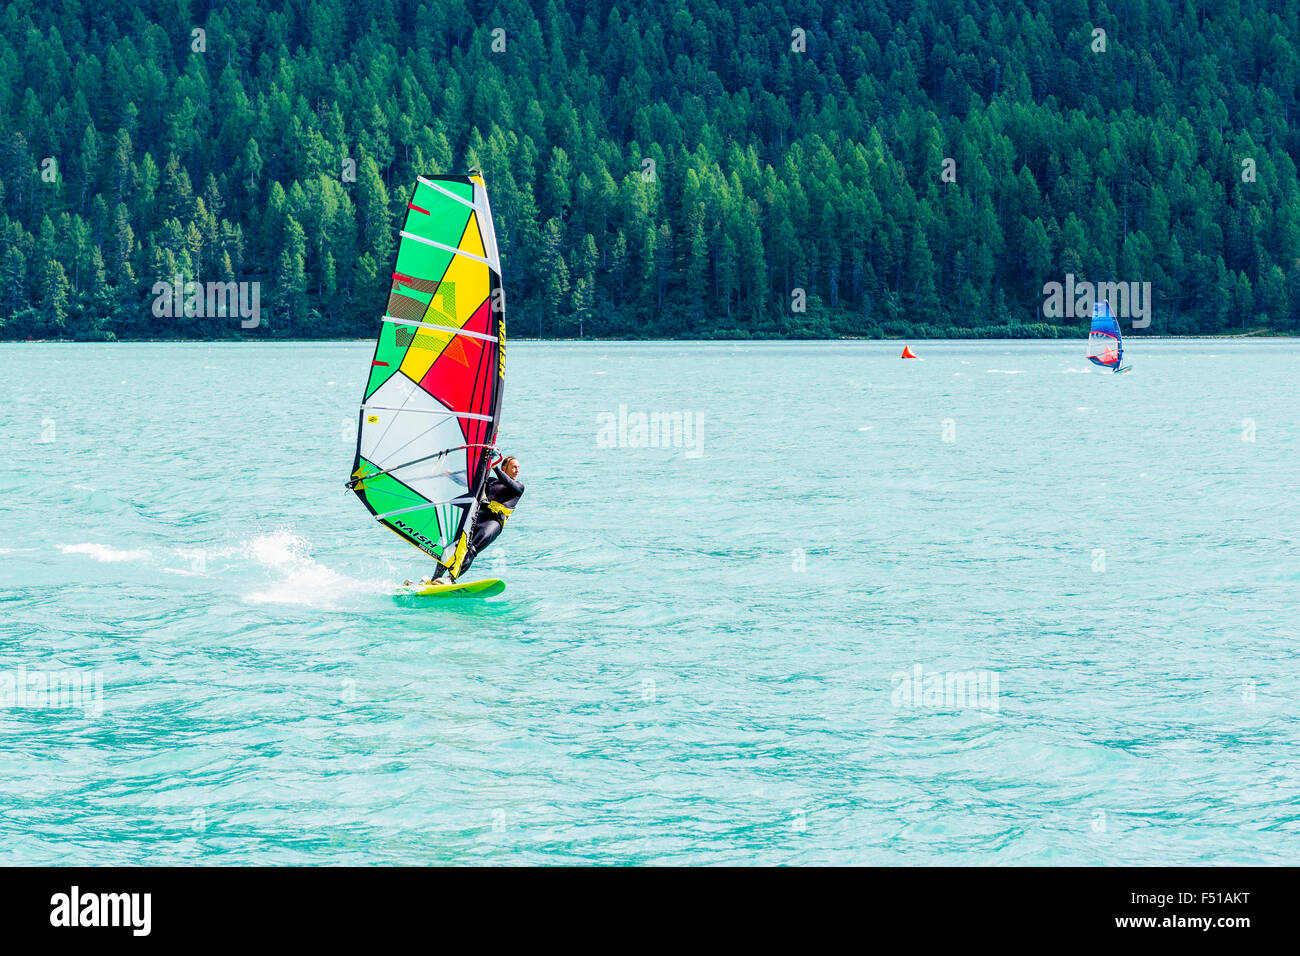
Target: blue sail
{"points": [[1105, 344]]}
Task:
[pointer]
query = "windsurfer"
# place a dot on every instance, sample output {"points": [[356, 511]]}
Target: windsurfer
{"points": [[500, 497]]}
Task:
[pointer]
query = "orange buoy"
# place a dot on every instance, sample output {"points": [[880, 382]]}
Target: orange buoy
{"points": [[908, 353]]}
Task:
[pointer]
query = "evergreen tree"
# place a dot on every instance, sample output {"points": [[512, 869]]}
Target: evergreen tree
{"points": [[917, 166]]}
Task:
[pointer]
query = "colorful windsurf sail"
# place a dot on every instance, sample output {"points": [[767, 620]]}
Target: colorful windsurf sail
{"points": [[1105, 344], [432, 404]]}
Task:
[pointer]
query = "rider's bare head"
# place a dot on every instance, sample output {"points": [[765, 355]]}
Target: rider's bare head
{"points": [[511, 466]]}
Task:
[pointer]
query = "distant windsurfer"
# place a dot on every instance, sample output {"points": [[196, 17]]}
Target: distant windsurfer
{"points": [[500, 497]]}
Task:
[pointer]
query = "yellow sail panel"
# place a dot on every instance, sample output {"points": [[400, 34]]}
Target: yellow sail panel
{"points": [[472, 241], [428, 344], [464, 287]]}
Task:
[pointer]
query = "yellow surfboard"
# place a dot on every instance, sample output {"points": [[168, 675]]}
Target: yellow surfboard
{"points": [[482, 589]]}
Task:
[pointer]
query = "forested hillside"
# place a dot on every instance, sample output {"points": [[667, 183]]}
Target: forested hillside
{"points": [[682, 169]]}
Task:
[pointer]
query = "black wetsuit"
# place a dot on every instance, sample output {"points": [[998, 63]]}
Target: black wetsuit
{"points": [[503, 491]]}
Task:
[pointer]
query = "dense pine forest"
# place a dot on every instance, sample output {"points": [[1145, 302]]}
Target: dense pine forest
{"points": [[701, 168]]}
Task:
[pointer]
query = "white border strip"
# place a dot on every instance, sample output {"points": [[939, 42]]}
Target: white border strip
{"points": [[488, 231], [448, 193], [428, 411], [440, 328], [452, 249], [427, 504]]}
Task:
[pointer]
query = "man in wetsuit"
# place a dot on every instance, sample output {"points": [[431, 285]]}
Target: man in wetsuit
{"points": [[501, 495]]}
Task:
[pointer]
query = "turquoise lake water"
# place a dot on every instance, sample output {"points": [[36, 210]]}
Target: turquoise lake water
{"points": [[706, 653]]}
